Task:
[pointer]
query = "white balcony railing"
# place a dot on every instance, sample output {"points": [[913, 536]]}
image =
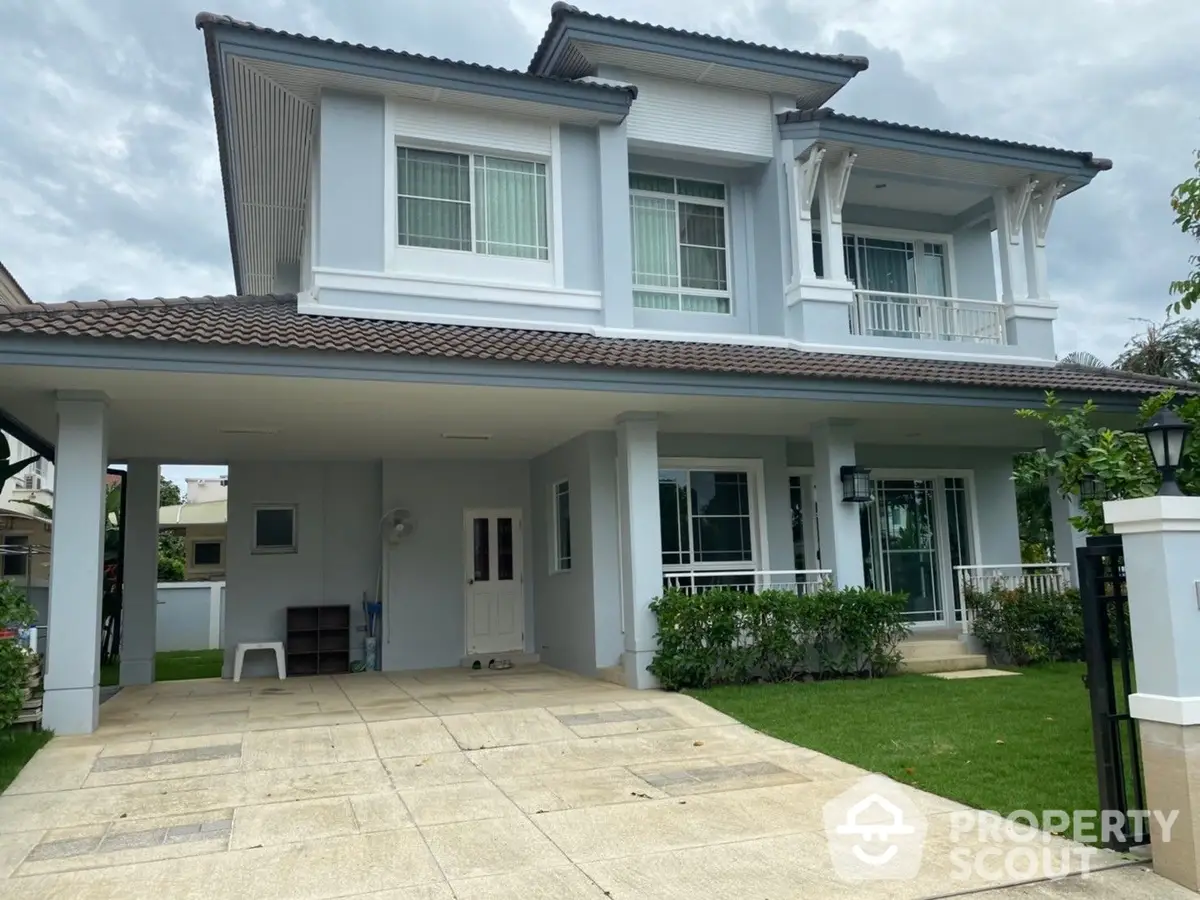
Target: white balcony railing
{"points": [[926, 317], [1037, 578], [692, 581]]}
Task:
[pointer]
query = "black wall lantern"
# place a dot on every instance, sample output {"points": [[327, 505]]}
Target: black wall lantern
{"points": [[1166, 434], [856, 484], [1091, 488]]}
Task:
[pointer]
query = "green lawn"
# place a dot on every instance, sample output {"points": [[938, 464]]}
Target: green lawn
{"points": [[992, 743], [174, 665], [16, 749]]}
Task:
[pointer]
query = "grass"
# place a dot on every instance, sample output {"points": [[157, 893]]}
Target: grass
{"points": [[16, 749], [992, 743], [173, 665]]}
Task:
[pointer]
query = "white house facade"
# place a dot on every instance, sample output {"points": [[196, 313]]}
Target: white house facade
{"points": [[512, 350]]}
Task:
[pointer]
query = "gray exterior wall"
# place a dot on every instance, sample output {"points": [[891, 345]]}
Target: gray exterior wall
{"points": [[350, 183], [183, 620], [583, 255]]}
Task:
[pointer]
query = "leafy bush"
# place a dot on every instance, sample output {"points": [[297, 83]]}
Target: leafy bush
{"points": [[15, 660], [1022, 627], [726, 636]]}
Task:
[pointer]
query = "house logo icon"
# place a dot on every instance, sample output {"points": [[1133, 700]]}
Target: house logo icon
{"points": [[875, 831]]}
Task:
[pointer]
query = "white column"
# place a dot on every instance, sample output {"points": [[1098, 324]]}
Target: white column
{"points": [[76, 566], [841, 532], [1033, 237], [641, 542], [802, 185], [1011, 205], [1066, 538], [1161, 538], [835, 176], [140, 599]]}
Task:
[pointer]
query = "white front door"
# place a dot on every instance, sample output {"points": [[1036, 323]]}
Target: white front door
{"points": [[495, 584]]}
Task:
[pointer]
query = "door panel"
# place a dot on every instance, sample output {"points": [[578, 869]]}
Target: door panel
{"points": [[495, 593], [900, 537]]}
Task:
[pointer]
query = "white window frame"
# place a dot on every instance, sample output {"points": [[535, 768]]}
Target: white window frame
{"points": [[558, 562], [472, 268], [219, 541], [916, 238], [281, 549], [726, 206], [756, 495]]}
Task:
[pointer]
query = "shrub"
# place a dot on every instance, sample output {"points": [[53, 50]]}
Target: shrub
{"points": [[1023, 627], [726, 636], [15, 659]]}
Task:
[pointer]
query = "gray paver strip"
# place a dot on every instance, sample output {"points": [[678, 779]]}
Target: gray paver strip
{"points": [[618, 715], [131, 840], [167, 757]]}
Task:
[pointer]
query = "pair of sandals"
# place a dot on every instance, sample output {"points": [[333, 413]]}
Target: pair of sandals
{"points": [[493, 664]]}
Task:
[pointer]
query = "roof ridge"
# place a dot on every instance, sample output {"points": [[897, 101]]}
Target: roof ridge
{"points": [[561, 9], [71, 306]]}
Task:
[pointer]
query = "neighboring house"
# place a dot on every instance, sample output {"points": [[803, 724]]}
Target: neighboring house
{"points": [[206, 490], [512, 348], [11, 293], [202, 527]]}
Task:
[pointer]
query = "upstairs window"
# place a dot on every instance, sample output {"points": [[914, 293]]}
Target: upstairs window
{"points": [[679, 248], [562, 527], [891, 266], [471, 203]]}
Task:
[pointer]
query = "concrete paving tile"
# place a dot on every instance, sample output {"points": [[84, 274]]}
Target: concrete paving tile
{"points": [[380, 812], [431, 769], [284, 823], [490, 847], [13, 849], [553, 791], [122, 748], [507, 728], [461, 802], [686, 709], [629, 726], [302, 720], [1136, 882], [534, 884], [55, 768], [398, 709], [411, 737], [162, 772], [438, 891], [124, 854], [294, 747]]}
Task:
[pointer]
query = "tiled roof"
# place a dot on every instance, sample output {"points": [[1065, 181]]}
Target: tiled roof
{"points": [[272, 322], [206, 20], [793, 116], [561, 10]]}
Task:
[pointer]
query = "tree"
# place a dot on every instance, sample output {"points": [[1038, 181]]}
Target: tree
{"points": [[1169, 350], [8, 468], [168, 493], [1082, 358], [1119, 459], [1185, 201]]}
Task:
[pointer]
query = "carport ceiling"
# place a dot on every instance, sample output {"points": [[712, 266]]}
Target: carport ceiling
{"points": [[203, 418]]}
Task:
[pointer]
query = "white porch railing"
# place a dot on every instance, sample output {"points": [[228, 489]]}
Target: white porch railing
{"points": [[801, 581], [1038, 578], [927, 317]]}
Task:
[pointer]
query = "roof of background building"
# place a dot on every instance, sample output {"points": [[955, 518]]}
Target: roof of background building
{"points": [[272, 322], [11, 293], [211, 512]]}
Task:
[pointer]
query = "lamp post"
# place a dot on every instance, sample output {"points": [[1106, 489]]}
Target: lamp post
{"points": [[856, 484], [1166, 434]]}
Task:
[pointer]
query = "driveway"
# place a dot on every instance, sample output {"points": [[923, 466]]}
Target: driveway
{"points": [[530, 783]]}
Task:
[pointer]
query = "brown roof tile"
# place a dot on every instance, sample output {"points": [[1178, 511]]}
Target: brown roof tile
{"points": [[272, 322]]}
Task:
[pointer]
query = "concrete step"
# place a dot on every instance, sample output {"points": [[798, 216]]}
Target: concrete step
{"points": [[516, 657], [927, 647], [925, 665], [613, 674]]}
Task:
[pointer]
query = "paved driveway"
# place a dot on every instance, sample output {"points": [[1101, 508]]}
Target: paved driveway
{"points": [[529, 783]]}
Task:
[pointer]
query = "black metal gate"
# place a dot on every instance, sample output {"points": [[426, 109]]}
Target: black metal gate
{"points": [[1110, 681]]}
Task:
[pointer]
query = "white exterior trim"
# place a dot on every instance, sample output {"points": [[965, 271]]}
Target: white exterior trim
{"points": [[452, 289], [1153, 515], [1031, 309], [1169, 710]]}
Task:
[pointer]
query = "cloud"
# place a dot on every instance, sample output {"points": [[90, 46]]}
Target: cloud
{"points": [[110, 185]]}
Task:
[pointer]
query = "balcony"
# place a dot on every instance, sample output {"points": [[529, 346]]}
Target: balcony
{"points": [[693, 581], [927, 317]]}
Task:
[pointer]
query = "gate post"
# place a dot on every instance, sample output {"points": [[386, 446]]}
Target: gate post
{"points": [[1162, 565]]}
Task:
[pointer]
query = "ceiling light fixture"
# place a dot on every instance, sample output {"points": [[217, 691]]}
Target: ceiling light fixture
{"points": [[451, 436], [249, 429]]}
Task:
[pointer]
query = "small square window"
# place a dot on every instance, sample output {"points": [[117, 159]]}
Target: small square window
{"points": [[562, 527], [206, 553], [16, 556], [275, 529]]}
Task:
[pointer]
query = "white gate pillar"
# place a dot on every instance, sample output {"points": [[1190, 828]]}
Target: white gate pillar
{"points": [[1161, 538], [641, 542], [71, 703], [140, 599], [841, 532]]}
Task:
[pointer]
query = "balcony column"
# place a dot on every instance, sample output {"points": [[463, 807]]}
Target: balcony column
{"points": [[1011, 205], [834, 178], [803, 174], [641, 542], [1033, 237], [71, 703], [838, 521], [139, 602]]}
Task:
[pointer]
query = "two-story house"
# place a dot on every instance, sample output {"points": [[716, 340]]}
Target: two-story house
{"points": [[512, 349]]}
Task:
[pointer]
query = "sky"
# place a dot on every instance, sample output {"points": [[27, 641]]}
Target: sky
{"points": [[110, 184]]}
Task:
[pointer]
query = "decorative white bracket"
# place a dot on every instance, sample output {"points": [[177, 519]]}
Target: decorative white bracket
{"points": [[1017, 202], [807, 170], [1044, 198], [838, 175]]}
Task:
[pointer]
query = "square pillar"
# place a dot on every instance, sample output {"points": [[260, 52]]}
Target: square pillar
{"points": [[615, 228], [831, 187], [140, 598], [1161, 538], [841, 530], [641, 542], [71, 703]]}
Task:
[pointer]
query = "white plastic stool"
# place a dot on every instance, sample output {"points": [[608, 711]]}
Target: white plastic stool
{"points": [[240, 655]]}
